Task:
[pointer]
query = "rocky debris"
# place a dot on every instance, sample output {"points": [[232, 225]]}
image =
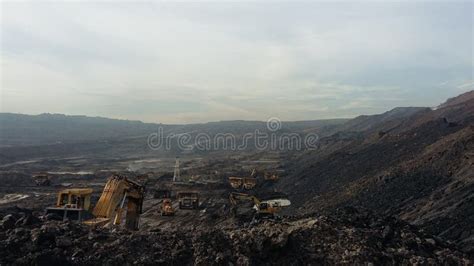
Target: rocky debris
{"points": [[27, 219], [348, 236], [419, 169], [8, 222], [16, 217]]}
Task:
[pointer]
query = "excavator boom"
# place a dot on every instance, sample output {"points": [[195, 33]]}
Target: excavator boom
{"points": [[111, 205]]}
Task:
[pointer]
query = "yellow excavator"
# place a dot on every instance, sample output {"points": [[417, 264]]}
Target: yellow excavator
{"points": [[267, 207], [75, 204]]}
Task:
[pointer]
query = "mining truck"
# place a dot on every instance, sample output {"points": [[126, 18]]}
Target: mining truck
{"points": [[246, 183], [188, 200]]}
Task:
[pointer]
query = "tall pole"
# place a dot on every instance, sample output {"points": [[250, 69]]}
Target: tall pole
{"points": [[176, 175]]}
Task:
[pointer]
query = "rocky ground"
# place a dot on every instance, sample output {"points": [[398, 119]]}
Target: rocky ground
{"points": [[418, 167], [412, 168], [347, 237]]}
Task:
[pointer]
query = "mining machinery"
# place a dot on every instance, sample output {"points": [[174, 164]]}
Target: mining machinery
{"points": [[120, 195], [246, 183], [167, 208], [268, 207], [42, 180], [188, 200]]}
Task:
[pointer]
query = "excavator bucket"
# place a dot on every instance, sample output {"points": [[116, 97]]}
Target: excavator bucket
{"points": [[133, 214]]}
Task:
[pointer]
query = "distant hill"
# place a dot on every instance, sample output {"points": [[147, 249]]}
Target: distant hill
{"points": [[18, 129], [369, 123], [463, 98], [47, 129]]}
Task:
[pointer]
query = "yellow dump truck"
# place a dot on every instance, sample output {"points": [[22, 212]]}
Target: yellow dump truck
{"points": [[188, 200], [242, 182]]}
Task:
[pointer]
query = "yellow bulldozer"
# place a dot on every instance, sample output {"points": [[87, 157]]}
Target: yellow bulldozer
{"points": [[72, 204], [119, 195]]}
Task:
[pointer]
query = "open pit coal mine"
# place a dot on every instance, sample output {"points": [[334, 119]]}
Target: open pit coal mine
{"points": [[395, 188], [349, 236]]}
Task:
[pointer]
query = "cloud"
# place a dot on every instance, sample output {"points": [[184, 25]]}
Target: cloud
{"points": [[469, 84], [183, 62]]}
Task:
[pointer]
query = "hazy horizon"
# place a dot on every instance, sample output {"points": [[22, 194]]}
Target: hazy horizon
{"points": [[158, 122], [180, 63], [225, 120]]}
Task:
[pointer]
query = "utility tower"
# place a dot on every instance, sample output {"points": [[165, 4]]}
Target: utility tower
{"points": [[176, 175]]}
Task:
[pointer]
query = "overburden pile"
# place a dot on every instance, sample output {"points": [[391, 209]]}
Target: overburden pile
{"points": [[348, 236]]}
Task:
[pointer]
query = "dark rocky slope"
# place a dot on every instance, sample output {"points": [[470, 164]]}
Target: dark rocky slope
{"points": [[346, 237], [421, 169]]}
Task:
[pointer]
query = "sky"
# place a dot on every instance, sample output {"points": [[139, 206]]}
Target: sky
{"points": [[182, 62]]}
